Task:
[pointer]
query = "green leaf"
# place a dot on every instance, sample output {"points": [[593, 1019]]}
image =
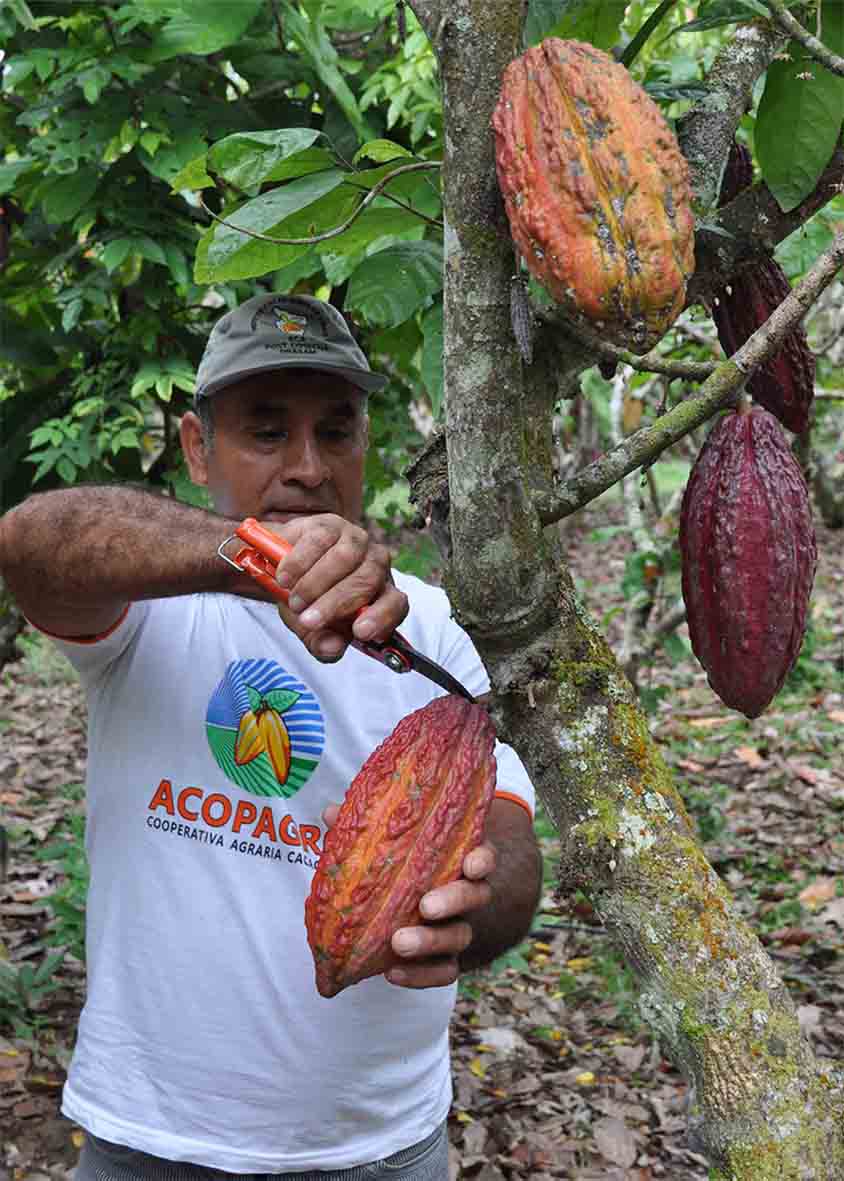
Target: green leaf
{"points": [[302, 163], [281, 699], [800, 249], [432, 356], [170, 160], [93, 82], [201, 26], [21, 12], [233, 255], [177, 264], [367, 228], [595, 21], [192, 176], [798, 124], [10, 172], [247, 158], [391, 285], [66, 470], [116, 253], [380, 150], [255, 697], [317, 47], [62, 197]]}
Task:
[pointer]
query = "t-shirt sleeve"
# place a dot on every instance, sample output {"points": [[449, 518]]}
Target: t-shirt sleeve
{"points": [[92, 656], [451, 647]]}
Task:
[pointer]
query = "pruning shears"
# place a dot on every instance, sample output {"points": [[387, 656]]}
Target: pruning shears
{"points": [[260, 555]]}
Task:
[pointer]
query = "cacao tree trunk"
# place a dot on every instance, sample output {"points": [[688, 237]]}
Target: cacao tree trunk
{"points": [[761, 1107]]}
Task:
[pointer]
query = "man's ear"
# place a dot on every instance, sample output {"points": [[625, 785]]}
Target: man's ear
{"points": [[193, 448]]}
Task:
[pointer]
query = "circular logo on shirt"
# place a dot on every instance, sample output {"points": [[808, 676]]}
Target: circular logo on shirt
{"points": [[265, 728]]}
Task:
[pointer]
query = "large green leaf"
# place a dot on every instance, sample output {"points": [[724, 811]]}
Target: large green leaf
{"points": [[248, 158], [200, 26], [800, 114], [301, 209], [391, 285], [63, 196], [595, 21]]}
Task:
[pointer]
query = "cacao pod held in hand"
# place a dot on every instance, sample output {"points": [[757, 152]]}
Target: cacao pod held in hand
{"points": [[785, 384], [748, 553], [416, 808], [596, 191]]}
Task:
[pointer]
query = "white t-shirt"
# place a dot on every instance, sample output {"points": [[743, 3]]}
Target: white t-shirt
{"points": [[203, 1037]]}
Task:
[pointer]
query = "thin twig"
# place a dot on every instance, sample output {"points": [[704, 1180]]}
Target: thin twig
{"points": [[432, 221], [652, 362], [785, 21], [372, 194]]}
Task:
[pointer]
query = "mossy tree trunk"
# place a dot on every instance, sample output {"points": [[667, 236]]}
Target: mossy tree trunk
{"points": [[761, 1107]]}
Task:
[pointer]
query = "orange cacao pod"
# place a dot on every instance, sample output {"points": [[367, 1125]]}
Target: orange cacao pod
{"points": [[596, 191], [748, 553], [785, 384], [415, 809]]}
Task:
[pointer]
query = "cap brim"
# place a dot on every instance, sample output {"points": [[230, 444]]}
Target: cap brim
{"points": [[370, 383]]}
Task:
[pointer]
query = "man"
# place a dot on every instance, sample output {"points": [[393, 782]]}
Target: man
{"points": [[203, 1040]]}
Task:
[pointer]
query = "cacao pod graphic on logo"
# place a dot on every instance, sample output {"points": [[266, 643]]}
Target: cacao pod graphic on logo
{"points": [[265, 728]]}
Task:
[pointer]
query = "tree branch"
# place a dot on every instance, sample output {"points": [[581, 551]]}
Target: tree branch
{"points": [[792, 27], [652, 362], [647, 444], [429, 14], [707, 130]]}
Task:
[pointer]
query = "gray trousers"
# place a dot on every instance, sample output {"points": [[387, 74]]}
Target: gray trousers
{"points": [[103, 1161]]}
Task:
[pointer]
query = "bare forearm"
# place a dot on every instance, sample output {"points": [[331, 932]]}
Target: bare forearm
{"points": [[95, 546], [516, 883]]}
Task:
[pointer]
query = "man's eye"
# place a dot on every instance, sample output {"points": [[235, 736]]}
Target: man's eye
{"points": [[336, 434], [270, 435]]}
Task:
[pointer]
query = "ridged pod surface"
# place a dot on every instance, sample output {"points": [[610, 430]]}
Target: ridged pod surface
{"points": [[785, 384], [596, 191], [748, 552], [415, 809]]}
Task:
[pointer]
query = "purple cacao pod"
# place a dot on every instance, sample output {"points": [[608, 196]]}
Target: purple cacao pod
{"points": [[748, 551], [785, 384]]}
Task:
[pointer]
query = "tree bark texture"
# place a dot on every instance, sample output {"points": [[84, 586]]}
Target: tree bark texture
{"points": [[761, 1107]]}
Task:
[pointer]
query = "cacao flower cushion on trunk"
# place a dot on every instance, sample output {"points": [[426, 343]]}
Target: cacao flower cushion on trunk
{"points": [[415, 809], [596, 191], [748, 553]]}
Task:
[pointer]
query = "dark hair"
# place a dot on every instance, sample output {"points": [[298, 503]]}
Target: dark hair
{"points": [[205, 414]]}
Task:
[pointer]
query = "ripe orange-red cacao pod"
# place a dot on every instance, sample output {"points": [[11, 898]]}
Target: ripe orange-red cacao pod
{"points": [[414, 811], [596, 191], [748, 551]]}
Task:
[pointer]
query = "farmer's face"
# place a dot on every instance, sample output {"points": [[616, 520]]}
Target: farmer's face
{"points": [[284, 446]]}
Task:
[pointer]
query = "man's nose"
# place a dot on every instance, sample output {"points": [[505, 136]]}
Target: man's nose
{"points": [[303, 461]]}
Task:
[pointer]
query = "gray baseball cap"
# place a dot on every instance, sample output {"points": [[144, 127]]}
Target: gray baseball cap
{"points": [[271, 332]]}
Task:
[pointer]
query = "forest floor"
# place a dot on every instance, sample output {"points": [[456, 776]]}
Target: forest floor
{"points": [[555, 1074]]}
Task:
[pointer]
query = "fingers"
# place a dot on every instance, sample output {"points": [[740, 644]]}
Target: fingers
{"points": [[329, 814], [428, 955], [333, 571]]}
